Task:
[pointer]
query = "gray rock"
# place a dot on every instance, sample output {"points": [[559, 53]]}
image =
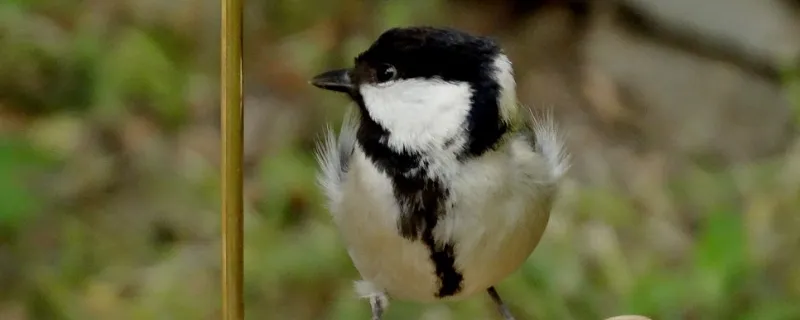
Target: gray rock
{"points": [[685, 104], [766, 30]]}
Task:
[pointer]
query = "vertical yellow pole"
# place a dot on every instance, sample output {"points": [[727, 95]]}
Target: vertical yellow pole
{"points": [[232, 144]]}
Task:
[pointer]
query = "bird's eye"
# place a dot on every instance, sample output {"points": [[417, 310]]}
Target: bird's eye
{"points": [[385, 72]]}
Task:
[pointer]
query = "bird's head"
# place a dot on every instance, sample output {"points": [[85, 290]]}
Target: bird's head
{"points": [[425, 87]]}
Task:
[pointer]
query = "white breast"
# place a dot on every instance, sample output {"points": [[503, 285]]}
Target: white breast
{"points": [[501, 207], [367, 218]]}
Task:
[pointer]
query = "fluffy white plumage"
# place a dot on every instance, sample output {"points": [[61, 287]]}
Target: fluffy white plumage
{"points": [[499, 205]]}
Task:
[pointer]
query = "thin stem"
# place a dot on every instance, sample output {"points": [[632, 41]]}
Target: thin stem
{"points": [[232, 145]]}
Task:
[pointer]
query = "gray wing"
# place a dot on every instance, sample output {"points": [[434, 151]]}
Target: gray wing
{"points": [[546, 139], [333, 155]]}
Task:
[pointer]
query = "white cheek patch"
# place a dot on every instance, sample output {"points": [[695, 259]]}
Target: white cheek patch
{"points": [[420, 114]]}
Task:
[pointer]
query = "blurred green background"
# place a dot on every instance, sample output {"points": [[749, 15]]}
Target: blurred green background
{"points": [[683, 201]]}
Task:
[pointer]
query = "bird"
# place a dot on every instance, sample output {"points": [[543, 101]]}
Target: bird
{"points": [[439, 181]]}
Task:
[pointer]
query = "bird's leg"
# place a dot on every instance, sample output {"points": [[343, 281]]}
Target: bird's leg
{"points": [[377, 297], [501, 307], [378, 304]]}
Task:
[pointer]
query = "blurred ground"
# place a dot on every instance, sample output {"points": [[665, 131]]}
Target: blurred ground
{"points": [[682, 204]]}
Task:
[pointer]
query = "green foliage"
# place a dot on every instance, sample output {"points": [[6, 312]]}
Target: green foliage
{"points": [[18, 201], [38, 57], [720, 262], [792, 86], [138, 69], [290, 187]]}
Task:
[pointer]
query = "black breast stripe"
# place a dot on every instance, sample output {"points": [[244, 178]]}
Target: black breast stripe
{"points": [[422, 201]]}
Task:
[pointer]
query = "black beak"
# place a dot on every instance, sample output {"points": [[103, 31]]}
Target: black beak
{"points": [[334, 80]]}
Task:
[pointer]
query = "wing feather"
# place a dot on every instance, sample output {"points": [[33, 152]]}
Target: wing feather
{"points": [[333, 155], [547, 140]]}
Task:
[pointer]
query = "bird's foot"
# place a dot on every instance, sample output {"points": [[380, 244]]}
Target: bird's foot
{"points": [[378, 300], [377, 305], [501, 307]]}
